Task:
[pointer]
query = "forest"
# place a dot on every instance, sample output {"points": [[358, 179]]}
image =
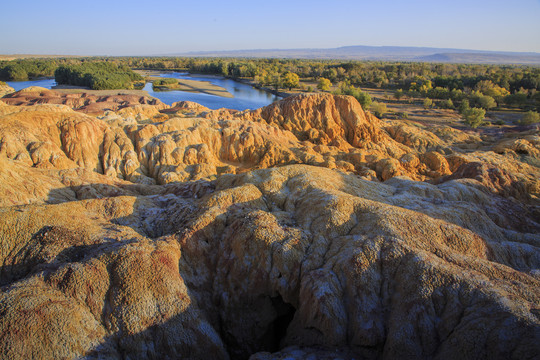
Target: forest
{"points": [[22, 70], [98, 76]]}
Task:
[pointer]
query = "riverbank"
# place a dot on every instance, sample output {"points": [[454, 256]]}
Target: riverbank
{"points": [[152, 74], [196, 86], [282, 94]]}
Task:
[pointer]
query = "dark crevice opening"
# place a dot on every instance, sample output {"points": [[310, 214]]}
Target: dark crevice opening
{"points": [[241, 345], [277, 331]]}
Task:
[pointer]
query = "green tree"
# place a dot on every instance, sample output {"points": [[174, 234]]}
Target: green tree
{"points": [[428, 103], [363, 98], [447, 104], [224, 68], [330, 73], [517, 99], [398, 94], [275, 80], [464, 106], [290, 80], [97, 76], [487, 87], [473, 116], [483, 101], [456, 95], [324, 84], [486, 102], [15, 72]]}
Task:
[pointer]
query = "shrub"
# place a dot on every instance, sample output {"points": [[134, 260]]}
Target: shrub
{"points": [[484, 101], [447, 104], [362, 97], [402, 115], [473, 116], [464, 106], [517, 99], [530, 117], [379, 109], [165, 81], [324, 84]]}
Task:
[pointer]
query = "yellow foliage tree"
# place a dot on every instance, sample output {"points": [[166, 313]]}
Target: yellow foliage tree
{"points": [[324, 84], [290, 80]]}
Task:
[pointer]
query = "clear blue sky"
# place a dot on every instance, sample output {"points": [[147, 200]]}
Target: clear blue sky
{"points": [[163, 27]]}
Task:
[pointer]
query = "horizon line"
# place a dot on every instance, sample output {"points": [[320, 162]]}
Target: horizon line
{"points": [[187, 52]]}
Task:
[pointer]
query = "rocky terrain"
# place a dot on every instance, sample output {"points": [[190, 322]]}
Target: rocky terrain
{"points": [[5, 89], [82, 102], [308, 229]]}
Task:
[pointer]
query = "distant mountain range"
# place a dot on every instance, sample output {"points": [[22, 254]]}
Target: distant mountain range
{"points": [[388, 53]]}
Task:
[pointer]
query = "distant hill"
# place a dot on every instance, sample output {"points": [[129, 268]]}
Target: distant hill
{"points": [[483, 58], [34, 56], [388, 53]]}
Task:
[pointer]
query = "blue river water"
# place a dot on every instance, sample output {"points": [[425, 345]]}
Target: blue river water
{"points": [[19, 85], [245, 96]]}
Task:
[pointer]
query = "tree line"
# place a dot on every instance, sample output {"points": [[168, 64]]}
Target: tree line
{"points": [[408, 76], [484, 86], [98, 76], [22, 70]]}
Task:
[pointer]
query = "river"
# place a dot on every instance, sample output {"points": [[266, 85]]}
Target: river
{"points": [[245, 96], [19, 85]]}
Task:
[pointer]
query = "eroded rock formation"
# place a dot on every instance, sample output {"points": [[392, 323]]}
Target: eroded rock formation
{"points": [[306, 229], [83, 102], [5, 89]]}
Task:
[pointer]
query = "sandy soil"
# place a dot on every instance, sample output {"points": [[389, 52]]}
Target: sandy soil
{"points": [[153, 73], [204, 87], [184, 85]]}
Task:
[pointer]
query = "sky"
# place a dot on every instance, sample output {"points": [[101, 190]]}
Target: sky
{"points": [[118, 27]]}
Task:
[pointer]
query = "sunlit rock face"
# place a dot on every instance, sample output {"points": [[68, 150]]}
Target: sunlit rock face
{"points": [[5, 89], [308, 229]]}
